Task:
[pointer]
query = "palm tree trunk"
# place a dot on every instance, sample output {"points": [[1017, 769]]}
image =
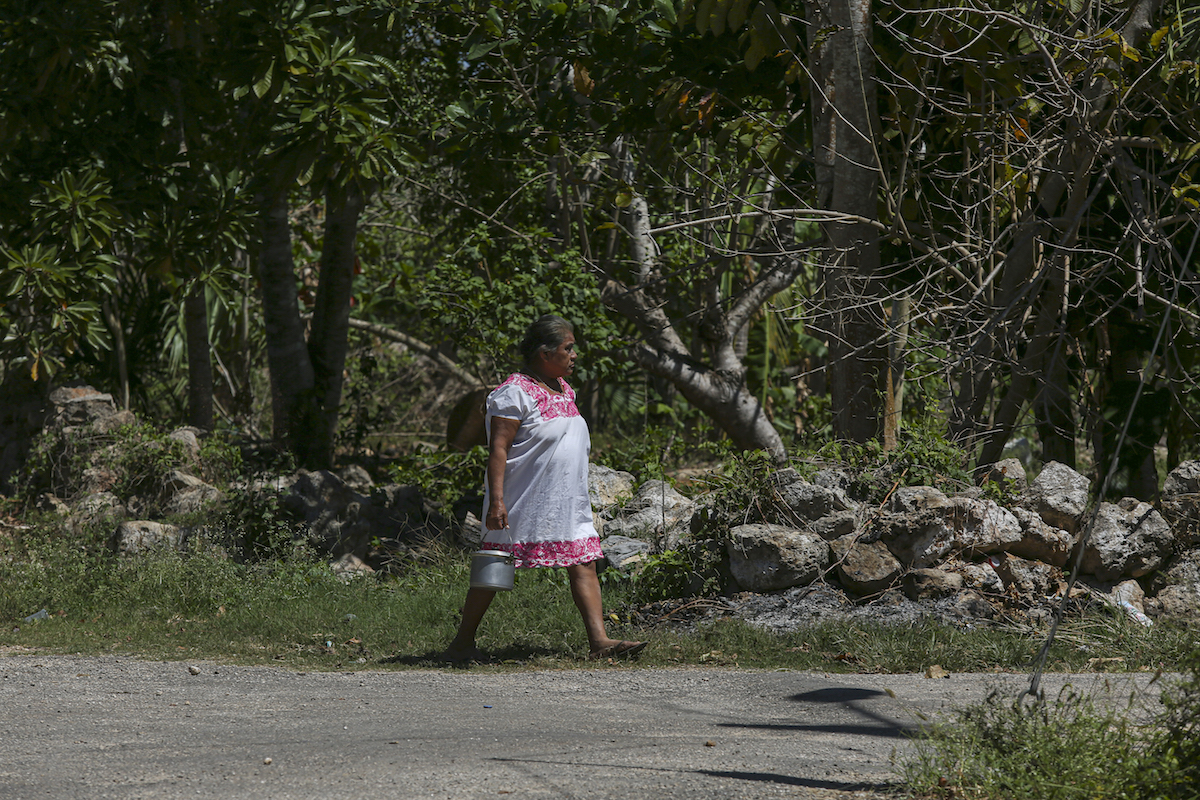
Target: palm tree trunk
{"points": [[199, 358], [288, 361], [328, 341]]}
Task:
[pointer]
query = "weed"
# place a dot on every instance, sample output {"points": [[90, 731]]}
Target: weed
{"points": [[693, 570], [922, 457], [1027, 751], [1172, 763], [253, 524], [443, 477], [220, 461], [742, 492], [1014, 750], [648, 456]]}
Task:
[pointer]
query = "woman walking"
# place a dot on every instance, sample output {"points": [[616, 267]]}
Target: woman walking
{"points": [[536, 496]]}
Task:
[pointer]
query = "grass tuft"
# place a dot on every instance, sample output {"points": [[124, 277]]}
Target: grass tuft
{"points": [[1063, 750], [293, 610]]}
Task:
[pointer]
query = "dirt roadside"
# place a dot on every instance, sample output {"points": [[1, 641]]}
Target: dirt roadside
{"points": [[76, 727]]}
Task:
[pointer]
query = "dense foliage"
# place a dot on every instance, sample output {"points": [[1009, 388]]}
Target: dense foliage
{"points": [[989, 226]]}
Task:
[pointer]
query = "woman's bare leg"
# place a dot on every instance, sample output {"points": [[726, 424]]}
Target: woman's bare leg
{"points": [[585, 591], [476, 605]]}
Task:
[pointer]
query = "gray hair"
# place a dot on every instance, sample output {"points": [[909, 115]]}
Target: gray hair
{"points": [[544, 335]]}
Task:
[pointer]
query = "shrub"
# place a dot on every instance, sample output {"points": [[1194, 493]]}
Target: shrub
{"points": [[693, 570], [1012, 750], [1026, 751], [922, 457], [1172, 763], [443, 477]]}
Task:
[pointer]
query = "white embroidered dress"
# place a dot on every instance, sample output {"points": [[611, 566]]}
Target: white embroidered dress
{"points": [[545, 479]]}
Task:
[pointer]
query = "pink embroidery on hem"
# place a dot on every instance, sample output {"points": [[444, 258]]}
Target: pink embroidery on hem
{"points": [[551, 554], [550, 405]]}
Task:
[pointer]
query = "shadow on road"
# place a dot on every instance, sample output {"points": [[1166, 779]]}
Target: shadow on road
{"points": [[848, 696], [756, 777]]}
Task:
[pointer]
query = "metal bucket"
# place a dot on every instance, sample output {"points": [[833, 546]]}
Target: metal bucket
{"points": [[492, 569]]}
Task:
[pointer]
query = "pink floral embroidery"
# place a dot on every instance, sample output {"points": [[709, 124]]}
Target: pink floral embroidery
{"points": [[549, 404], [551, 554]]}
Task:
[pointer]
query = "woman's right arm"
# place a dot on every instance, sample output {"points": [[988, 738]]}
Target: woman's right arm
{"points": [[504, 430]]}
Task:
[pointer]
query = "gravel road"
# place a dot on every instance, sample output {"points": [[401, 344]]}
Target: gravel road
{"points": [[75, 727]]}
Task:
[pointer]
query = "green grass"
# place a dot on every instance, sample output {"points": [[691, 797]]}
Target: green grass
{"points": [[1063, 748], [298, 614]]}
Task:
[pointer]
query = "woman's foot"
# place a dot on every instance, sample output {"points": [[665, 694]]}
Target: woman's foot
{"points": [[618, 650], [464, 654]]}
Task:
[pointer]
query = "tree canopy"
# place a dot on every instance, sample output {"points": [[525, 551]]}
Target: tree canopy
{"points": [[829, 219]]}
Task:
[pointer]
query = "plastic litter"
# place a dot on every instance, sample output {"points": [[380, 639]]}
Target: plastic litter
{"points": [[1134, 614], [43, 614]]}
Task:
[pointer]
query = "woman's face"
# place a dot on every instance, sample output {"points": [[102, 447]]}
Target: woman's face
{"points": [[561, 361]]}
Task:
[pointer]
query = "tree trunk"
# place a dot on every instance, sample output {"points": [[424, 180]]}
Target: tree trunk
{"points": [[1054, 410], [292, 382], [117, 330], [894, 395], [845, 129], [719, 391], [199, 358], [724, 397], [1064, 183], [331, 316]]}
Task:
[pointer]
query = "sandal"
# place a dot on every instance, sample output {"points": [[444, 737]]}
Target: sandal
{"points": [[461, 657], [619, 651]]}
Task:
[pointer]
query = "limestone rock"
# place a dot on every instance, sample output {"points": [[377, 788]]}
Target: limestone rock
{"points": [[1129, 540], [1009, 472], [808, 501], [1184, 479], [607, 487], [981, 576], [864, 567], [1041, 542], [930, 584], [1129, 592], [912, 499], [470, 532], [838, 481], [1181, 502], [1182, 600], [1180, 596], [328, 508], [49, 503], [767, 558], [1059, 495], [656, 513], [187, 494], [83, 406], [96, 480], [193, 501], [941, 526], [623, 552], [351, 566], [357, 478], [970, 603], [189, 442], [339, 520], [836, 525], [137, 537], [92, 510], [1027, 578]]}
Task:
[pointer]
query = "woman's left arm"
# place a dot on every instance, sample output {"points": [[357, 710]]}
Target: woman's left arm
{"points": [[504, 430]]}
